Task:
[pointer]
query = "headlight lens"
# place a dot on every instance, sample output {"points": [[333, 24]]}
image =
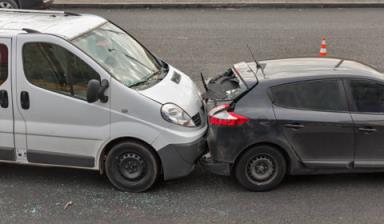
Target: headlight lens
{"points": [[174, 114]]}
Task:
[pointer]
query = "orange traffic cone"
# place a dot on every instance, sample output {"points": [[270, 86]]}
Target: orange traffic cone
{"points": [[323, 49]]}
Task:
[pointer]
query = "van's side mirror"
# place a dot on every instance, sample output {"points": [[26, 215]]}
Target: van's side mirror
{"points": [[96, 90]]}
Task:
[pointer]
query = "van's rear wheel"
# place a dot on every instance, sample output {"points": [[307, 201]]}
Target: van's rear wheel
{"points": [[8, 4], [261, 168], [131, 167]]}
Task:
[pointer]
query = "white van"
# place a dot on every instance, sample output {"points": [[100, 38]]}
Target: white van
{"points": [[78, 91]]}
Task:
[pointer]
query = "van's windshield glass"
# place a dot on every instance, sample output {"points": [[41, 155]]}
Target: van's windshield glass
{"points": [[119, 54]]}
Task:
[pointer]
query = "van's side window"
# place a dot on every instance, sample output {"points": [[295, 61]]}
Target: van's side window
{"points": [[54, 68], [3, 63]]}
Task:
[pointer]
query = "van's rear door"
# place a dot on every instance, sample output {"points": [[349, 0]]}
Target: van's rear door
{"points": [[7, 145]]}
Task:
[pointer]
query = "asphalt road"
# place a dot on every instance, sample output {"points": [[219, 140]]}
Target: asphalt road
{"points": [[210, 41]]}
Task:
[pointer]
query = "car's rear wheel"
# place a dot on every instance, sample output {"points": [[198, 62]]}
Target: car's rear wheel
{"points": [[260, 168], [8, 4], [132, 167]]}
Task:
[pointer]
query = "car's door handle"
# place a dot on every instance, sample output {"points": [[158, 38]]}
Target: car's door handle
{"points": [[294, 126], [367, 130], [24, 100], [4, 98]]}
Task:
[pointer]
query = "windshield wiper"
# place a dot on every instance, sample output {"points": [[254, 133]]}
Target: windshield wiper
{"points": [[139, 83], [150, 77]]}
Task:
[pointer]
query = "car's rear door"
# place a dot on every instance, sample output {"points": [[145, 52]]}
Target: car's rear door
{"points": [[7, 145], [314, 117], [367, 109]]}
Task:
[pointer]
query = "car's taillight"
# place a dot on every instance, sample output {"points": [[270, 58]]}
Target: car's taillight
{"points": [[220, 116]]}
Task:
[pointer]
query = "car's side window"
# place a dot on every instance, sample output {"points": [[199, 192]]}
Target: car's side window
{"points": [[319, 95], [368, 96], [3, 63], [54, 68]]}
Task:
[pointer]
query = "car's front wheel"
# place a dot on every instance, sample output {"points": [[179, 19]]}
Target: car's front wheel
{"points": [[260, 168], [132, 167], [8, 4]]}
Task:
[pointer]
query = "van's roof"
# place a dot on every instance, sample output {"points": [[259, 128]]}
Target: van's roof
{"points": [[66, 25]]}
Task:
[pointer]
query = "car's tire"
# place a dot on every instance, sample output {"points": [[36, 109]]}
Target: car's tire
{"points": [[132, 167], [8, 4], [260, 168]]}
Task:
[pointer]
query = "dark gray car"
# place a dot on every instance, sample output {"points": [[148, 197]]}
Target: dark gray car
{"points": [[295, 116], [25, 4]]}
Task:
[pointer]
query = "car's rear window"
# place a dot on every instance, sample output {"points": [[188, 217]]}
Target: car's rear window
{"points": [[319, 95]]}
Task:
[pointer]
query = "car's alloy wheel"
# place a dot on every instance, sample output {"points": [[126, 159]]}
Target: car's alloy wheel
{"points": [[132, 166], [260, 168], [8, 4]]}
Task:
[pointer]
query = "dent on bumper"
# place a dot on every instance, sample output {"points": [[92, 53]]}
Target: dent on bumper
{"points": [[179, 160], [46, 4], [219, 168]]}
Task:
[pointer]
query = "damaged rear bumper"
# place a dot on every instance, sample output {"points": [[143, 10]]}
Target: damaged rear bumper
{"points": [[219, 168]]}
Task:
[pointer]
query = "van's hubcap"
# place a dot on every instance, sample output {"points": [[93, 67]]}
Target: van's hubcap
{"points": [[131, 166], [261, 168], [5, 5]]}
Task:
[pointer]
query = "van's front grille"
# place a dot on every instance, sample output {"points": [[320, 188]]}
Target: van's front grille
{"points": [[197, 119]]}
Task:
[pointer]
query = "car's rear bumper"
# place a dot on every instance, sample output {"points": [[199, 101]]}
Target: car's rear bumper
{"points": [[179, 160], [219, 168], [46, 4]]}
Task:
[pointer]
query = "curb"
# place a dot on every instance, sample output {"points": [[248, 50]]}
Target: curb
{"points": [[218, 5]]}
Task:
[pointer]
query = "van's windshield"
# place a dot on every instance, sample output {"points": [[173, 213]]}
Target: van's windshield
{"points": [[119, 54]]}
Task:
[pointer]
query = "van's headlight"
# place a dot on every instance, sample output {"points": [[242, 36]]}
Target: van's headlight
{"points": [[174, 114]]}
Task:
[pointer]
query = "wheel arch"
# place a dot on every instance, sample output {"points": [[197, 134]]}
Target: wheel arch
{"points": [[107, 148], [287, 156]]}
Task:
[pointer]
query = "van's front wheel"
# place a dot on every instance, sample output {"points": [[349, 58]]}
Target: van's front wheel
{"points": [[131, 167]]}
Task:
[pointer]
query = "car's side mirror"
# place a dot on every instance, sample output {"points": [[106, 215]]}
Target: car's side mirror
{"points": [[96, 90]]}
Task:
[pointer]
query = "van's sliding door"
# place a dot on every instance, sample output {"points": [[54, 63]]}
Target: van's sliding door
{"points": [[7, 145]]}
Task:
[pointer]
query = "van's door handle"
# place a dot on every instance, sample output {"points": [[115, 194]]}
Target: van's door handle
{"points": [[4, 98], [24, 100], [294, 126], [367, 130]]}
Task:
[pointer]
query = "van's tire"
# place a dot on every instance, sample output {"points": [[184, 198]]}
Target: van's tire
{"points": [[9, 4], [132, 167], [260, 168]]}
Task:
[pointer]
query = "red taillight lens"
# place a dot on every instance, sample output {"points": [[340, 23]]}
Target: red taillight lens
{"points": [[219, 116]]}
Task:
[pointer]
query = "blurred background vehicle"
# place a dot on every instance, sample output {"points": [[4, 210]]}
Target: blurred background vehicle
{"points": [[25, 4]]}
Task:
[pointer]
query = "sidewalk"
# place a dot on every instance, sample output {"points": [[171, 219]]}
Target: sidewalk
{"points": [[216, 3]]}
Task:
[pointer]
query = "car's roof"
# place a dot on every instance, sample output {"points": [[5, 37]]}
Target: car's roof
{"points": [[66, 25], [296, 68]]}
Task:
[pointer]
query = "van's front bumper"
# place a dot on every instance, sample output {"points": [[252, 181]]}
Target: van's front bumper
{"points": [[178, 160]]}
